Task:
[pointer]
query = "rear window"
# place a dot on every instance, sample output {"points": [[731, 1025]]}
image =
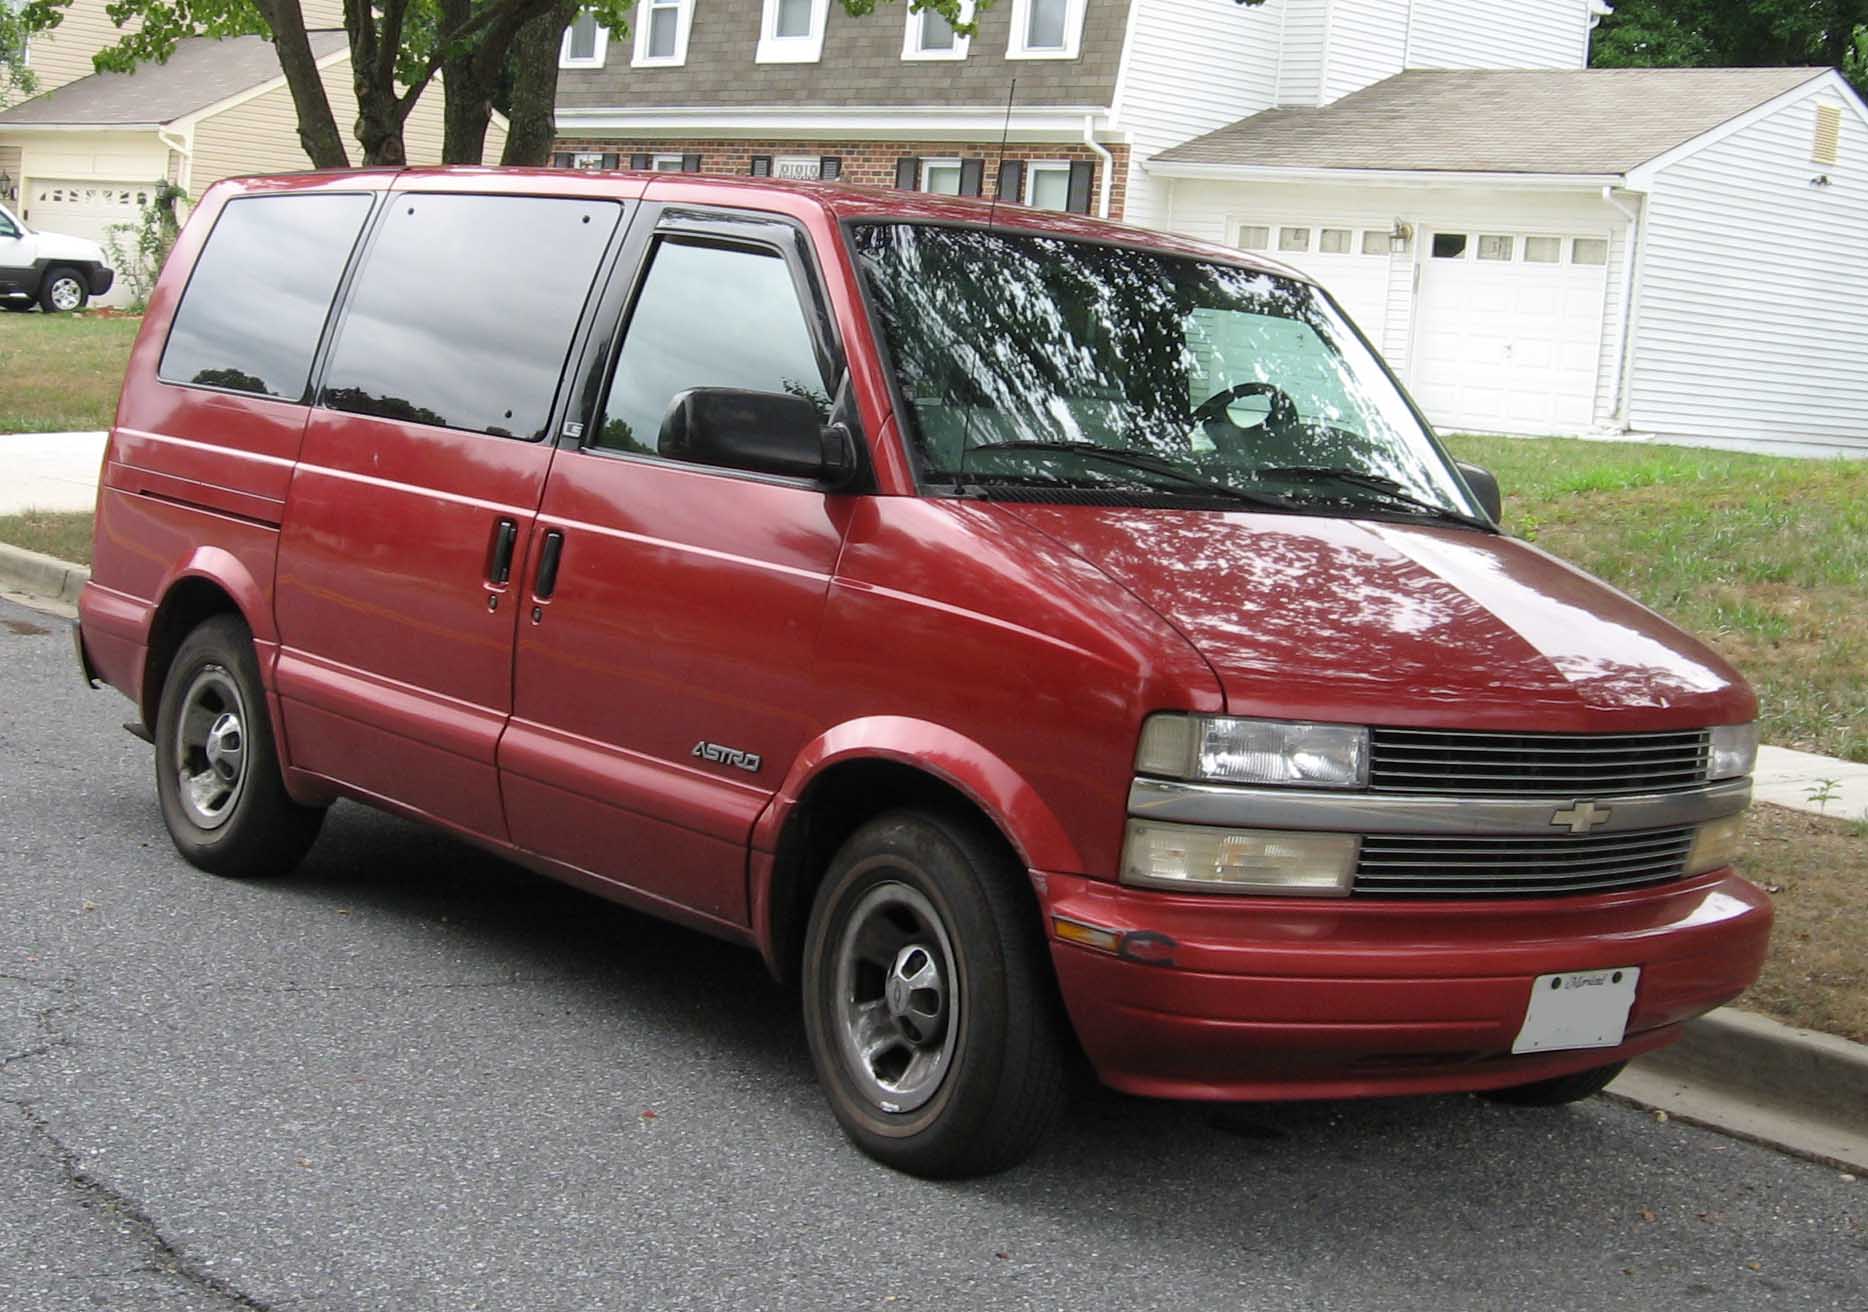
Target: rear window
{"points": [[260, 292], [463, 312]]}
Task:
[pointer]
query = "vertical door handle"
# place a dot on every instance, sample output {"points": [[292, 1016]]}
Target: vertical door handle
{"points": [[548, 566], [505, 535]]}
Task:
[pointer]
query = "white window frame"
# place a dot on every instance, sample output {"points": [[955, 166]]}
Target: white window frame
{"points": [[1036, 166], [1021, 23], [806, 49], [911, 38], [598, 52], [684, 19], [658, 162], [941, 162]]}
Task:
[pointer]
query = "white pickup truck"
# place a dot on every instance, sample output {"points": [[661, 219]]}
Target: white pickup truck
{"points": [[55, 272]]}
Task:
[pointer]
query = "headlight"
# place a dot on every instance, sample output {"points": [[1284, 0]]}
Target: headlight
{"points": [[1201, 858], [1734, 751], [1227, 750], [1716, 844]]}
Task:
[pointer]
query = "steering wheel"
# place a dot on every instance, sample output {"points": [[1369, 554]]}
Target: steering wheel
{"points": [[1283, 412]]}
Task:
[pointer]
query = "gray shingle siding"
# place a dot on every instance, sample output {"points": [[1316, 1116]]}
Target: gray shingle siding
{"points": [[862, 65]]}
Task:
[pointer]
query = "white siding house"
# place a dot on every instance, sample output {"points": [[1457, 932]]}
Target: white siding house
{"points": [[1675, 252]]}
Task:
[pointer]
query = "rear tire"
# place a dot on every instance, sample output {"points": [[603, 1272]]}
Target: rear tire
{"points": [[217, 767], [1559, 1091], [64, 291], [932, 1016]]}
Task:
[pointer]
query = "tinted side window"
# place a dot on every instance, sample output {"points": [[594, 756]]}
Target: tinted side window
{"points": [[708, 316], [464, 310], [258, 296]]}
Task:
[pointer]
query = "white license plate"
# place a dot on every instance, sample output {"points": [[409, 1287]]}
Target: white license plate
{"points": [[1578, 1009]]}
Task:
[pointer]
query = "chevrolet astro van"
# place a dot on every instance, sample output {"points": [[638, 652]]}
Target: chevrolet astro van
{"points": [[1048, 643]]}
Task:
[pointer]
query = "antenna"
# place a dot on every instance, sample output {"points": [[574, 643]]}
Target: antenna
{"points": [[998, 167]]}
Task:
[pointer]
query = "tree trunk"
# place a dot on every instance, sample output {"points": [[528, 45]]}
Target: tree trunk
{"points": [[317, 126], [372, 77], [534, 126]]}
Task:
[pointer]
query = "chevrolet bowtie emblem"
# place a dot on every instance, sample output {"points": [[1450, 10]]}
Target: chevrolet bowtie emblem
{"points": [[1582, 817]]}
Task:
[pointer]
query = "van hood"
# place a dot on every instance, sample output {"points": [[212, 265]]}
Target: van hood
{"points": [[57, 246], [1307, 617]]}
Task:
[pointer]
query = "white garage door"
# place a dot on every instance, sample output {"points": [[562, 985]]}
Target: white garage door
{"points": [[88, 209], [1508, 331], [1350, 262]]}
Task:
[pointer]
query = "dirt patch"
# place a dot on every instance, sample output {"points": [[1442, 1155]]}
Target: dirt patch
{"points": [[1816, 870]]}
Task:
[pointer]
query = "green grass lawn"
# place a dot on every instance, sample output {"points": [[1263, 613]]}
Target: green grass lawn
{"points": [[65, 534], [61, 372], [1765, 558]]}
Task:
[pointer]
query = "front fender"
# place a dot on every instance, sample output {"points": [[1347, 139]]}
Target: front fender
{"points": [[1027, 822]]}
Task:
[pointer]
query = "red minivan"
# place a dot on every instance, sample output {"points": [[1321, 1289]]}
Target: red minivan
{"points": [[1035, 636]]}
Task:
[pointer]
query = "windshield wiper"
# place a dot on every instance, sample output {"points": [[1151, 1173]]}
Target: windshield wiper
{"points": [[1145, 463], [1386, 487]]}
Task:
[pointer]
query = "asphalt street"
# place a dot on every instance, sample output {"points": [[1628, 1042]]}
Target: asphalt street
{"points": [[412, 1077]]}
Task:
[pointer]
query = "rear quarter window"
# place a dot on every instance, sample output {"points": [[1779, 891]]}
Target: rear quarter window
{"points": [[463, 311], [260, 292]]}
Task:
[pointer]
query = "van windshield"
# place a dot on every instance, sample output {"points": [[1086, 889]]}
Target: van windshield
{"points": [[1033, 365]]}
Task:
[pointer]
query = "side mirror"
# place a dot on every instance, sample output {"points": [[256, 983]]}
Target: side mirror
{"points": [[764, 432], [1484, 485]]}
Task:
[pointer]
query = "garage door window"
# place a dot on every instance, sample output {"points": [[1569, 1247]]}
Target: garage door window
{"points": [[1493, 247], [1335, 241], [1543, 250], [1589, 250], [1375, 242], [1293, 239], [259, 295], [1255, 238], [1449, 245]]}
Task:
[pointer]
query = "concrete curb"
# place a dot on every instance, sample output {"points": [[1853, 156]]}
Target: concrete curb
{"points": [[41, 575], [1762, 1080]]}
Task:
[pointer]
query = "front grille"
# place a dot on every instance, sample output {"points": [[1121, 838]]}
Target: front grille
{"points": [[1428, 865], [1539, 764]]}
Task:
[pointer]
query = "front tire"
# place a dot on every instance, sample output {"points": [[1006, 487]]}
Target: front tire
{"points": [[931, 1014], [64, 291], [217, 767], [1560, 1090]]}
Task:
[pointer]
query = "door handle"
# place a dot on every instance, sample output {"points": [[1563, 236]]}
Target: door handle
{"points": [[547, 582], [505, 536]]}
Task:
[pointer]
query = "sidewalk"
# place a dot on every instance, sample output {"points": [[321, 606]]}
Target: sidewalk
{"points": [[1791, 778], [49, 471]]}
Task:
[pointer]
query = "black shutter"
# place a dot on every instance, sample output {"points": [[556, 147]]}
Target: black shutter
{"points": [[1082, 174], [690, 163], [1012, 181], [761, 166], [830, 168], [908, 173], [972, 177], [561, 160], [639, 161], [609, 161]]}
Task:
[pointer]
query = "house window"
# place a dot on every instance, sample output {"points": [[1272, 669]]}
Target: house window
{"points": [[1293, 239], [1046, 29], [932, 37], [941, 176], [1377, 242], [1047, 185], [1449, 245], [1254, 237], [662, 32], [792, 31], [668, 164], [1495, 247], [585, 43], [1334, 241], [1589, 250], [1543, 250]]}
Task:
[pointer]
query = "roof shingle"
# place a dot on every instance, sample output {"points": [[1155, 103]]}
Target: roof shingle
{"points": [[203, 71], [1588, 121]]}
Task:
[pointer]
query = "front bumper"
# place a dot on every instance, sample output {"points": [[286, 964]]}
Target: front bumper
{"points": [[1272, 998]]}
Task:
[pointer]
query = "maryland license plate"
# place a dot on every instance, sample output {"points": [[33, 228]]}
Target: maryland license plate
{"points": [[1578, 1009]]}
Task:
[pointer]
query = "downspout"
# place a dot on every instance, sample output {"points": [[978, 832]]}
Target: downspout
{"points": [[1109, 164], [1624, 353]]}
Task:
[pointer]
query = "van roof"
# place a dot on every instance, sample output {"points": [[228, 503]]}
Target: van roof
{"points": [[839, 201]]}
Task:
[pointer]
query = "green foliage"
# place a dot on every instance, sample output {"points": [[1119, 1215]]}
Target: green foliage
{"points": [[138, 249], [164, 22], [1729, 34]]}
